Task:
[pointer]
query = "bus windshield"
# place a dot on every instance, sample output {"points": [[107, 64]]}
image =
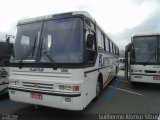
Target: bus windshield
{"points": [[27, 37], [145, 49], [60, 39], [63, 40], [121, 60]]}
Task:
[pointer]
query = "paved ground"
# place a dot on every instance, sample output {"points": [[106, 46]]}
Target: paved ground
{"points": [[118, 98]]}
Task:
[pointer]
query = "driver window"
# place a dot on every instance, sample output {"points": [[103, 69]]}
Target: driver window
{"points": [[92, 33]]}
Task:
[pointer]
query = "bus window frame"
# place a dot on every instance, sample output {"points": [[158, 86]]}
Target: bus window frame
{"points": [[88, 27]]}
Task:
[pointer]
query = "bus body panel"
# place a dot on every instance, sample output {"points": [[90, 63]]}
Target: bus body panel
{"points": [[29, 79], [108, 72], [87, 81]]}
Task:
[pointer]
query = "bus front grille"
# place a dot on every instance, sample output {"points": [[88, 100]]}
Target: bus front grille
{"points": [[37, 85]]}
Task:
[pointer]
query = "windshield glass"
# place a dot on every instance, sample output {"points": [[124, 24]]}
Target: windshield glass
{"points": [[27, 37], [145, 49], [121, 60], [63, 40]]}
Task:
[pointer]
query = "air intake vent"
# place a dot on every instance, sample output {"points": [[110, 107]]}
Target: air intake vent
{"points": [[37, 85], [149, 71]]}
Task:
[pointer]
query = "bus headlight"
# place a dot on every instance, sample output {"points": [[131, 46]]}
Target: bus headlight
{"points": [[76, 88], [63, 87], [14, 83], [71, 88], [136, 71]]}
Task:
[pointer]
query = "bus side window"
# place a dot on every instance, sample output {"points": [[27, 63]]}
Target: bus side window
{"points": [[100, 39], [111, 50], [107, 44]]}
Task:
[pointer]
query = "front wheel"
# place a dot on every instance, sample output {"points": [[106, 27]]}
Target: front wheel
{"points": [[98, 90], [116, 70]]}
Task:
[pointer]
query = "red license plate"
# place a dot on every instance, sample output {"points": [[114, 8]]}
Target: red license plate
{"points": [[156, 78], [36, 96]]}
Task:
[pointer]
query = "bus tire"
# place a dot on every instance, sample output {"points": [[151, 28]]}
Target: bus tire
{"points": [[99, 88], [116, 73], [116, 70]]}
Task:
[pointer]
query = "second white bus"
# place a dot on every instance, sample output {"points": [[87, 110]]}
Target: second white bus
{"points": [[143, 58]]}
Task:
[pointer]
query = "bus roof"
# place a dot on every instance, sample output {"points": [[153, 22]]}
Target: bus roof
{"points": [[51, 16], [74, 13], [145, 34]]}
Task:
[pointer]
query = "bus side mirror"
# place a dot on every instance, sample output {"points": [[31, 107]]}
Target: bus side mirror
{"points": [[5, 53], [90, 40]]}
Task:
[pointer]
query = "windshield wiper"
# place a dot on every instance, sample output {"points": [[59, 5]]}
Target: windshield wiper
{"points": [[48, 56], [34, 46], [52, 61], [31, 49]]}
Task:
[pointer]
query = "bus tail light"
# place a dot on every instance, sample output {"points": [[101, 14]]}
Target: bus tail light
{"points": [[76, 88], [14, 83]]}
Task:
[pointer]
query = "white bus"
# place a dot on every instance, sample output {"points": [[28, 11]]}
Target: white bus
{"points": [[62, 61], [121, 63], [143, 58]]}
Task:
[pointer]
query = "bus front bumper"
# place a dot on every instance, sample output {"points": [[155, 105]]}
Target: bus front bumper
{"points": [[56, 100], [145, 78]]}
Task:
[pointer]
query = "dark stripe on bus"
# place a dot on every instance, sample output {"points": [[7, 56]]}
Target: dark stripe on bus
{"points": [[95, 69]]}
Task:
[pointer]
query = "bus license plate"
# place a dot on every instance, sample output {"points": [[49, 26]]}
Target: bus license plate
{"points": [[156, 78], [36, 96]]}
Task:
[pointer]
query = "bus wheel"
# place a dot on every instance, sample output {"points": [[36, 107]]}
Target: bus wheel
{"points": [[98, 90], [116, 70]]}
